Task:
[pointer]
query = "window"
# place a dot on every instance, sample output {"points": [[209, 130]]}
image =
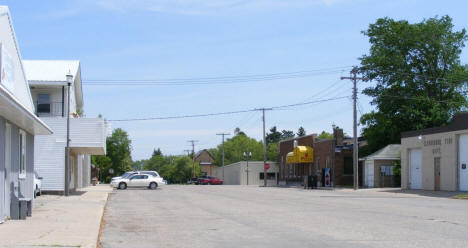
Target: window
{"points": [[348, 166], [270, 176], [386, 170], [43, 103], [22, 154], [137, 177]]}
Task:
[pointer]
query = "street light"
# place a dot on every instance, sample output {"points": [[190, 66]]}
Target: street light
{"points": [[247, 155]]}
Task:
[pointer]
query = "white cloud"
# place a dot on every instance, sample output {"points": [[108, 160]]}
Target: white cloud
{"points": [[203, 7]]}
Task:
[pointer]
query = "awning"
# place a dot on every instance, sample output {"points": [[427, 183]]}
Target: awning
{"points": [[12, 110], [300, 154]]}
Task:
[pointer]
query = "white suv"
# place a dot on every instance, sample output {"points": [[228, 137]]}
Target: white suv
{"points": [[137, 180]]}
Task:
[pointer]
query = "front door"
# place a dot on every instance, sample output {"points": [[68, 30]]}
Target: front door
{"points": [[415, 169], [463, 161], [7, 173], [369, 174], [437, 173]]}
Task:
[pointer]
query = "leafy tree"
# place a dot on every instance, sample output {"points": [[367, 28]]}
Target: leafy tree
{"points": [[272, 152], [419, 80], [287, 134], [138, 165], [238, 131], [118, 155], [325, 135], [301, 132], [273, 136], [156, 152]]}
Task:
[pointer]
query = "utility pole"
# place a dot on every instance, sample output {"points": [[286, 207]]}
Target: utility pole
{"points": [[354, 78], [264, 146], [193, 156], [247, 155], [67, 149], [223, 134]]}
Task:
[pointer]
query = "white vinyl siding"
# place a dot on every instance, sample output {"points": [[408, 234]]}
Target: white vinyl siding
{"points": [[86, 134]]}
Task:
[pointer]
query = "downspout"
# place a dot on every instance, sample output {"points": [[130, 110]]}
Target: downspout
{"points": [[63, 101]]}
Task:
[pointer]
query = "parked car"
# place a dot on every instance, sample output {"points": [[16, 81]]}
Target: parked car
{"points": [[37, 184], [160, 180], [209, 180], [125, 175], [137, 180]]}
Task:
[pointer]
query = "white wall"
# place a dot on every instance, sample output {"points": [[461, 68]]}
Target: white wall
{"points": [[20, 87], [85, 133], [236, 174]]}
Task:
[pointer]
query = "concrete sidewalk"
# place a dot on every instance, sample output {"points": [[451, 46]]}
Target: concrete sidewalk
{"points": [[59, 221]]}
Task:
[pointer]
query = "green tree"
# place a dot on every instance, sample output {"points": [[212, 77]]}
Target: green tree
{"points": [[301, 132], [419, 80], [235, 147], [273, 136], [287, 134], [325, 135], [156, 152], [118, 155]]}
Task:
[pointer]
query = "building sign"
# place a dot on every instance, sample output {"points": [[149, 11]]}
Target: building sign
{"points": [[7, 72]]}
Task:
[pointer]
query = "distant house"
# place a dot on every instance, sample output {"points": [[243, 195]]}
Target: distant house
{"points": [[378, 167], [49, 89], [206, 162], [18, 126], [436, 158]]}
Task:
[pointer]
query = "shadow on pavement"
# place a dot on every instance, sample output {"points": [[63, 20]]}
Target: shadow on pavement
{"points": [[427, 193]]}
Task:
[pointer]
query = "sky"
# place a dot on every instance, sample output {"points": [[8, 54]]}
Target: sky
{"points": [[193, 39]]}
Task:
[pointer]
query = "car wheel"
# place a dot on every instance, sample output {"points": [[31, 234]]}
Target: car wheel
{"points": [[122, 185], [153, 185], [39, 193]]}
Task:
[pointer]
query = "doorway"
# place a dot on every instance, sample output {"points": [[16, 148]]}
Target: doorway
{"points": [[415, 169], [463, 162], [437, 173]]}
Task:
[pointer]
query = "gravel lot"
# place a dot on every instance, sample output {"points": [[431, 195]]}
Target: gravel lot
{"points": [[248, 216]]}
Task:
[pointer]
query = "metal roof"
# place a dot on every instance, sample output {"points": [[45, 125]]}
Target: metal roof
{"points": [[50, 70], [391, 151]]}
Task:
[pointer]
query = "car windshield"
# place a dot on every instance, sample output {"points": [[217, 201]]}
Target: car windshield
{"points": [[127, 174]]}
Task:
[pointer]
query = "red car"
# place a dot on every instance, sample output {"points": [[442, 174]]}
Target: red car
{"points": [[209, 180]]}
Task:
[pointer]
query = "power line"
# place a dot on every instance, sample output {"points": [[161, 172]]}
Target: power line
{"points": [[225, 113], [214, 80]]}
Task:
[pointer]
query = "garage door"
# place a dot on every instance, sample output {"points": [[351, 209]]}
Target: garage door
{"points": [[463, 161], [369, 172], [415, 169]]}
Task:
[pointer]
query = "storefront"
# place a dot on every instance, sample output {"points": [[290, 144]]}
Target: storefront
{"points": [[299, 164]]}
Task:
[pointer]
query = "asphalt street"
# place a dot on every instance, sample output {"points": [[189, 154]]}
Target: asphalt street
{"points": [[241, 216]]}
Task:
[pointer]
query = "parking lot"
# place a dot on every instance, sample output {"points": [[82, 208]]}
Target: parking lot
{"points": [[248, 216]]}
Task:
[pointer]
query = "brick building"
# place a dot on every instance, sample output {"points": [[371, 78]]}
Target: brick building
{"points": [[206, 161], [334, 156]]}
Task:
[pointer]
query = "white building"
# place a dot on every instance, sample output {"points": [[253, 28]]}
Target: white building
{"points": [[236, 173], [18, 126], [48, 84], [378, 167]]}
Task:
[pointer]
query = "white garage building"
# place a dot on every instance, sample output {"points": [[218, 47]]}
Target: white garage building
{"points": [[241, 173], [436, 158]]}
